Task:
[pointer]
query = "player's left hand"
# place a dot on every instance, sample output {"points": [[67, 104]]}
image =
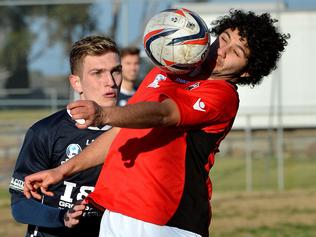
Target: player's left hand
{"points": [[41, 181], [73, 215], [86, 113]]}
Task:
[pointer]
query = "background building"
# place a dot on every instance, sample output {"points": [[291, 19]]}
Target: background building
{"points": [[289, 91]]}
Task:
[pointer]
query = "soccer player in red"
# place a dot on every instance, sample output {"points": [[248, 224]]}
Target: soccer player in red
{"points": [[154, 181]]}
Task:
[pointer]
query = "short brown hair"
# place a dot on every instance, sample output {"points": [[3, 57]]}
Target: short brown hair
{"points": [[91, 45], [129, 51]]}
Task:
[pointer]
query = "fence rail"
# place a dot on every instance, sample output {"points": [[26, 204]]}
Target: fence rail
{"points": [[22, 98], [247, 139]]}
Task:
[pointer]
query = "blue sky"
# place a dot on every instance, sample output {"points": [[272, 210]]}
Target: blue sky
{"points": [[292, 4], [57, 62]]}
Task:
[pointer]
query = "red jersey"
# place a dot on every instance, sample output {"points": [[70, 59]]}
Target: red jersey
{"points": [[161, 175]]}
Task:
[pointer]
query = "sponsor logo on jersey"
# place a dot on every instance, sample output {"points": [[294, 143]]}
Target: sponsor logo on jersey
{"points": [[16, 184], [72, 150], [155, 83], [199, 105], [89, 141], [182, 81], [193, 86]]}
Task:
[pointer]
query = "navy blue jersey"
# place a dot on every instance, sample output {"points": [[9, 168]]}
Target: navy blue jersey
{"points": [[124, 96], [47, 144]]}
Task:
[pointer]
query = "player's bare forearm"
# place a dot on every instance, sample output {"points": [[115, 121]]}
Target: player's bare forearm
{"points": [[139, 115], [91, 156], [142, 115]]}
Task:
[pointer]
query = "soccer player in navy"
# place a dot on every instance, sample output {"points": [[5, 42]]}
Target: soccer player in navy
{"points": [[155, 180], [95, 75]]}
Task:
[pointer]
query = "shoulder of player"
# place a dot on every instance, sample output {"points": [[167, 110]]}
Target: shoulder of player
{"points": [[222, 83], [218, 92], [51, 122], [219, 85]]}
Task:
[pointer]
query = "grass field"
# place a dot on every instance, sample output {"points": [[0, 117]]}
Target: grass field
{"points": [[236, 214], [265, 212], [22, 117], [228, 174]]}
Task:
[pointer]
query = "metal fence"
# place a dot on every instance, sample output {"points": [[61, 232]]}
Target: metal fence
{"points": [[23, 98], [249, 142]]}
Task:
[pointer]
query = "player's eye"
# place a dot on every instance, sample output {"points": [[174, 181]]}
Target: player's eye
{"points": [[97, 72], [223, 39], [237, 53], [117, 71]]}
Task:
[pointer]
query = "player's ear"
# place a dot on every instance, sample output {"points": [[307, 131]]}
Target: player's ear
{"points": [[75, 83]]}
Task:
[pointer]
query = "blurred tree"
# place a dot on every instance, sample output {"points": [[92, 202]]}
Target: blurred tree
{"points": [[16, 46], [64, 24], [117, 5]]}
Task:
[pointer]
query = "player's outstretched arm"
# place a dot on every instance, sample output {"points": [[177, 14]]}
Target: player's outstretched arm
{"points": [[91, 156], [139, 115], [38, 182]]}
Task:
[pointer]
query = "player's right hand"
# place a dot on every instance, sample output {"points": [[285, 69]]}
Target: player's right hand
{"points": [[38, 183], [86, 113]]}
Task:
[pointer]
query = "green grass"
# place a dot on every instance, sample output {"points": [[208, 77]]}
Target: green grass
{"points": [[282, 230], [4, 197], [20, 115], [4, 193], [230, 174], [261, 213], [265, 212]]}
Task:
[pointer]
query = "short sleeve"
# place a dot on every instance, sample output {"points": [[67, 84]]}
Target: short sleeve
{"points": [[205, 103]]}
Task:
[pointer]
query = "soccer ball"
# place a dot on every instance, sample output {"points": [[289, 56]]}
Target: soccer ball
{"points": [[176, 40]]}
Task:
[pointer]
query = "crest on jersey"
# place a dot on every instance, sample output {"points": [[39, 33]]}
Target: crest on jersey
{"points": [[72, 150], [155, 83]]}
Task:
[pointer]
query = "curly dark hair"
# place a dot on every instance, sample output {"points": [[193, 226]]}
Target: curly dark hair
{"points": [[265, 42]]}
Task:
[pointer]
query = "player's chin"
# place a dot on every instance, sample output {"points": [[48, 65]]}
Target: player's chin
{"points": [[108, 102]]}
